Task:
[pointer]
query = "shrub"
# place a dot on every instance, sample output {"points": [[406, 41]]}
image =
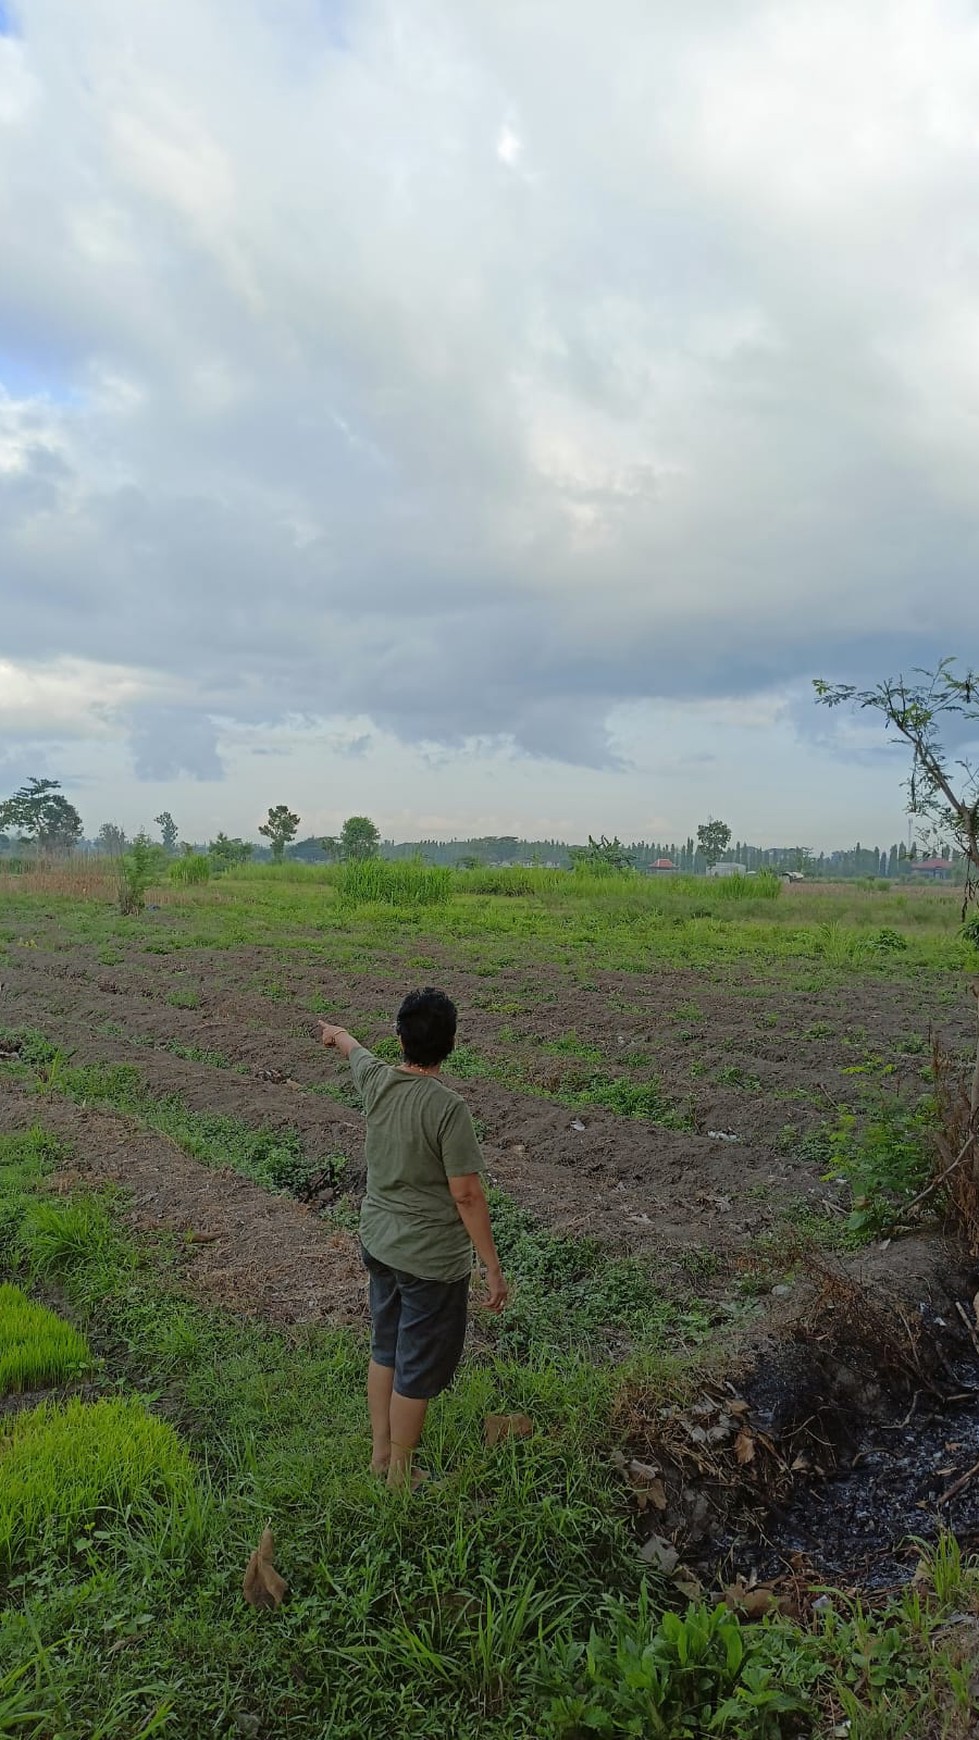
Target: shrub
{"points": [[886, 1162], [65, 1469], [887, 941], [138, 867], [36, 1347]]}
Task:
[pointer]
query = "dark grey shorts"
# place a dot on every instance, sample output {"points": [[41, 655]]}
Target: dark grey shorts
{"points": [[418, 1327]]}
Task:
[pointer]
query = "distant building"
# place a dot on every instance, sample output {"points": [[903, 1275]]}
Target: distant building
{"points": [[663, 867], [728, 870], [934, 869]]}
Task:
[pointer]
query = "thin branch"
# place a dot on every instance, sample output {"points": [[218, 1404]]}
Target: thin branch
{"points": [[937, 1183]]}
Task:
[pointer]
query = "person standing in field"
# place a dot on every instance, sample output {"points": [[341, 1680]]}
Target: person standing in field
{"points": [[424, 1211]]}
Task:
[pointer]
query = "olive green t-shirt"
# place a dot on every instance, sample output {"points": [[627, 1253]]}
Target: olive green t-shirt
{"points": [[419, 1135]]}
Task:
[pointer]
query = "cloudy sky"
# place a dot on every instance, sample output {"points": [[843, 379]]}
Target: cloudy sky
{"points": [[489, 415]]}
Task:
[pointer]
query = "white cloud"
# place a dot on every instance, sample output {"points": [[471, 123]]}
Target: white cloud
{"points": [[67, 697], [508, 146]]}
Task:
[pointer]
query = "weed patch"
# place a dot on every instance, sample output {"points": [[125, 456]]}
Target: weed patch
{"points": [[886, 1160], [569, 1294]]}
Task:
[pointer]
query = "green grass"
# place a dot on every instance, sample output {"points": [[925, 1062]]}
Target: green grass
{"points": [[579, 1088], [36, 1347], [819, 933]]}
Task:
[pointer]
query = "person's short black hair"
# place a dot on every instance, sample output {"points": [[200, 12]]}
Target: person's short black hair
{"points": [[427, 1027]]}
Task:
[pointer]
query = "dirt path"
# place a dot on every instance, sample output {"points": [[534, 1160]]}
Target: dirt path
{"points": [[239, 1246]]}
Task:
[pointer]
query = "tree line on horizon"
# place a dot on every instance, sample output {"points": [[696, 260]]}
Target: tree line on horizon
{"points": [[46, 820], [943, 792]]}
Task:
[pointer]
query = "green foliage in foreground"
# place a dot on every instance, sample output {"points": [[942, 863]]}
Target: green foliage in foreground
{"points": [[86, 1466], [504, 1602], [677, 1677], [36, 1347]]}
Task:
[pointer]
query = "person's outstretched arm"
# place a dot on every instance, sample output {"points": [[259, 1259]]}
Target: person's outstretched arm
{"points": [[339, 1038]]}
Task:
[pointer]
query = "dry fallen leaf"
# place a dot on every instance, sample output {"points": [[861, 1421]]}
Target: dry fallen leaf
{"points": [[751, 1602], [644, 1471], [498, 1427], [660, 1553], [688, 1583], [262, 1586], [744, 1447]]}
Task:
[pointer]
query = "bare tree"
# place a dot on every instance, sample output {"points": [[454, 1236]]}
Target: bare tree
{"points": [[942, 790]]}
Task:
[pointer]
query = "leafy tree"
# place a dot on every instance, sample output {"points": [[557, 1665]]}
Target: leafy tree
{"points": [[331, 846], [43, 815], [359, 839], [225, 854], [280, 828], [168, 830], [942, 790], [601, 855], [713, 840], [111, 839]]}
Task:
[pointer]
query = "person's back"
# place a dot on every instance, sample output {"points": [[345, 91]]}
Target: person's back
{"points": [[423, 1211], [419, 1134]]}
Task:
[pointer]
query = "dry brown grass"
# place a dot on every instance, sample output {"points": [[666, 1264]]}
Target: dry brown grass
{"points": [[957, 1138], [80, 879], [88, 878]]}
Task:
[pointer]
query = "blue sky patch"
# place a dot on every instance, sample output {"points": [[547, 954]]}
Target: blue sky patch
{"points": [[32, 377]]}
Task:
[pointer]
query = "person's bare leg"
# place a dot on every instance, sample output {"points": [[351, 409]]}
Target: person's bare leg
{"points": [[380, 1383], [407, 1417]]}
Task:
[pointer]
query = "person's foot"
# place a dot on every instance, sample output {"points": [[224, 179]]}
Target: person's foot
{"points": [[399, 1477], [380, 1464]]}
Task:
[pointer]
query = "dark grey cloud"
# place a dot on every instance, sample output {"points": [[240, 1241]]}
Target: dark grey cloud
{"points": [[168, 742]]}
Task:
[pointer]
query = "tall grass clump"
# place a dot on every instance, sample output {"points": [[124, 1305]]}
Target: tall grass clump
{"points": [[36, 1347], [766, 885], [194, 868], [376, 882], [65, 1469], [57, 1237], [515, 881]]}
